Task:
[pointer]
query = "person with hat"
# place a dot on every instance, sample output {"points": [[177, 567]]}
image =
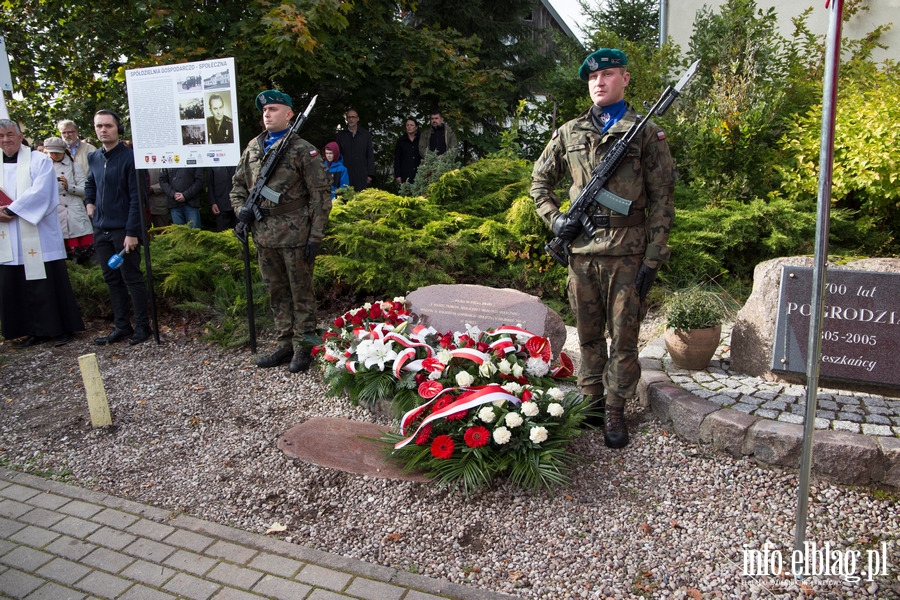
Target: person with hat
{"points": [[335, 165], [78, 233], [610, 274], [289, 235]]}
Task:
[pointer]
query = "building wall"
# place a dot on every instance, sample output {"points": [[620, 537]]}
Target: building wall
{"points": [[683, 12]]}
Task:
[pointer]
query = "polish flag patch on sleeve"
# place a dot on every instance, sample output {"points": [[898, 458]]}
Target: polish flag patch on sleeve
{"points": [[315, 152], [661, 135]]}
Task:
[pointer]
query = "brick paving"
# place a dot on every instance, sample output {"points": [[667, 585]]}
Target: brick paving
{"points": [[59, 541]]}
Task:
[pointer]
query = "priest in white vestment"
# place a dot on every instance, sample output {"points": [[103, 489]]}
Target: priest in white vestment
{"points": [[36, 298]]}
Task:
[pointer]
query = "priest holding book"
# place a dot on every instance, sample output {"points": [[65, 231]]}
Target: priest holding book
{"points": [[36, 298]]}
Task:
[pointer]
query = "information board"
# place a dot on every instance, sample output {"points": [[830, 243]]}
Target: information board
{"points": [[184, 115]]}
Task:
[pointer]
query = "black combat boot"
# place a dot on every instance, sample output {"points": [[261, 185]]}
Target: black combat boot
{"points": [[279, 357], [616, 434], [300, 362]]}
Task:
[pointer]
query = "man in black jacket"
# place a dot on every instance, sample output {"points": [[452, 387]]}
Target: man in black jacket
{"points": [[355, 144], [182, 188], [112, 200], [219, 183]]}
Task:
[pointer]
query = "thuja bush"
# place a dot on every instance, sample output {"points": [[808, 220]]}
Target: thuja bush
{"points": [[484, 188], [866, 154], [195, 273]]}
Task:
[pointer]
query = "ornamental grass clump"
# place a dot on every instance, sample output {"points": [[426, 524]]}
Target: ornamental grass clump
{"points": [[696, 308]]}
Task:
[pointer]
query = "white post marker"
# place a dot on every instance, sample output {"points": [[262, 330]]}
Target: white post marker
{"points": [[96, 394]]}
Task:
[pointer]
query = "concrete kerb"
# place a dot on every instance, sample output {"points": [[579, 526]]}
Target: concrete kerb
{"points": [[841, 457], [254, 541]]}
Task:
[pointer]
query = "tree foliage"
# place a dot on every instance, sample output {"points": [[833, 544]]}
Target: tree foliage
{"points": [[633, 20]]}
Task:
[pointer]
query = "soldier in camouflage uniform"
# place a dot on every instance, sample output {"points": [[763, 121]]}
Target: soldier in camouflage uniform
{"points": [[288, 237], [611, 273]]}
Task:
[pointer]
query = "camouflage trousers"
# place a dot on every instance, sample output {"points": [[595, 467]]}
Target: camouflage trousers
{"points": [[602, 296], [290, 283]]}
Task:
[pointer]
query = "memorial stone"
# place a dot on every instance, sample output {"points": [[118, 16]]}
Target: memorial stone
{"points": [[452, 307]]}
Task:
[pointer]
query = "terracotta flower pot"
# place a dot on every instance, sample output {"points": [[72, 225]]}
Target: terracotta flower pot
{"points": [[693, 349]]}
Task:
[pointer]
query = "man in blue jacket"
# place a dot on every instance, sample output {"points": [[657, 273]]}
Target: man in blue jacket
{"points": [[112, 202]]}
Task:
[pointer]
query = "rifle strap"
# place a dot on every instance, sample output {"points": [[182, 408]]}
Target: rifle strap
{"points": [[284, 208]]}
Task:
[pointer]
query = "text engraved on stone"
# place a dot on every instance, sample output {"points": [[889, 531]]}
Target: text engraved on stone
{"points": [[860, 325]]}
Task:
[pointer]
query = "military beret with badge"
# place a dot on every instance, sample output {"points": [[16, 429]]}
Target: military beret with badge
{"points": [[604, 58], [273, 97]]}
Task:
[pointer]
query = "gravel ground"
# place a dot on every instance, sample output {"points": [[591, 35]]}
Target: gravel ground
{"points": [[195, 429]]}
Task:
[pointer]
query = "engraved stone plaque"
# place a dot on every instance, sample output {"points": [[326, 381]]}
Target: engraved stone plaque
{"points": [[451, 307], [860, 326]]}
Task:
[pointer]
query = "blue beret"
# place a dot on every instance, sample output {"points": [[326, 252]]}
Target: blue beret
{"points": [[604, 58], [273, 97]]}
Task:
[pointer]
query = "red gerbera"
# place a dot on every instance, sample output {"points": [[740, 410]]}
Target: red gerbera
{"points": [[461, 414], [423, 435], [477, 436], [442, 446]]}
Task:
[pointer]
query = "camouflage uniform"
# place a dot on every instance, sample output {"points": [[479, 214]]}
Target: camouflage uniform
{"points": [[300, 216], [602, 270]]}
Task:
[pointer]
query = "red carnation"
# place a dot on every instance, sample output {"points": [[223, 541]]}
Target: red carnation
{"points": [[538, 347], [477, 437], [430, 388], [339, 322], [442, 446], [423, 435]]}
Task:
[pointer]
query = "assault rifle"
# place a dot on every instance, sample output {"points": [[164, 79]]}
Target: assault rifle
{"points": [[273, 156], [595, 190], [261, 190]]}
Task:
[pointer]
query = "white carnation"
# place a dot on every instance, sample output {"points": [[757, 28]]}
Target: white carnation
{"points": [[538, 434], [505, 367], [502, 435], [463, 379], [487, 368], [512, 387], [556, 393], [401, 299], [555, 410], [367, 305], [517, 370], [536, 367], [486, 414], [444, 356], [514, 419], [530, 409], [435, 375]]}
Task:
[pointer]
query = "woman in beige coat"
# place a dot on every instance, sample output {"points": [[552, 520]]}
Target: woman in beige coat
{"points": [[77, 230]]}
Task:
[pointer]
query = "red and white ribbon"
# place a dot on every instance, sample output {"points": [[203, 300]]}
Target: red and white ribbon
{"points": [[476, 397]]}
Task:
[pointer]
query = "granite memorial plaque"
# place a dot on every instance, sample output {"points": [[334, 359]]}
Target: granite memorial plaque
{"points": [[451, 307], [860, 325]]}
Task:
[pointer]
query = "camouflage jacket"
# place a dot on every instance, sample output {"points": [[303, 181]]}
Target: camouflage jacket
{"points": [[646, 177], [301, 178]]}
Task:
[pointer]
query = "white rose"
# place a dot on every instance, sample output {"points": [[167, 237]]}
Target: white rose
{"points": [[555, 410], [514, 419], [556, 393], [463, 379], [400, 299], [512, 387], [486, 414], [502, 435], [537, 367], [530, 409], [538, 434], [487, 369], [517, 370], [505, 367]]}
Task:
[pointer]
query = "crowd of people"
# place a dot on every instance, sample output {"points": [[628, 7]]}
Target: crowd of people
{"points": [[76, 200]]}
